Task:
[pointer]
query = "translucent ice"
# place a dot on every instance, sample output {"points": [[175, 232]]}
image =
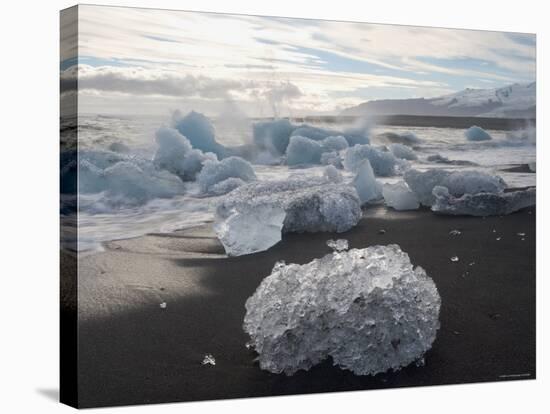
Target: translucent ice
{"points": [[334, 143], [176, 155], [457, 182], [208, 360], [368, 309], [332, 175], [302, 150], [250, 229], [198, 129], [272, 136], [399, 196], [482, 204], [368, 188], [311, 205], [383, 163], [475, 133], [403, 152], [314, 133], [123, 180], [338, 245], [215, 172]]}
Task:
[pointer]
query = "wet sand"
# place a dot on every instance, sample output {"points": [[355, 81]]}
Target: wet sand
{"points": [[131, 351]]}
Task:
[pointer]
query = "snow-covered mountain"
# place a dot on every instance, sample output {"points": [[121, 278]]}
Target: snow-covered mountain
{"points": [[513, 101]]}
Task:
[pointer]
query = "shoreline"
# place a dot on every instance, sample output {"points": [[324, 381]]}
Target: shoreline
{"points": [[145, 354]]}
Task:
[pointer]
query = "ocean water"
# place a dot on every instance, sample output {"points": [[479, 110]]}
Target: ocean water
{"points": [[98, 223]]}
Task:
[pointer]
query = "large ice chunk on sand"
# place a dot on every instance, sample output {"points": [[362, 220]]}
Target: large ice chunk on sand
{"points": [[475, 133], [252, 229], [399, 196], [272, 136], [403, 152], [482, 204], [302, 151], [176, 155], [383, 163], [200, 132], [368, 309], [457, 182], [215, 172], [312, 205], [368, 188]]}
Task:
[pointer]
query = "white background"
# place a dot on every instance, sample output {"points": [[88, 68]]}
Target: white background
{"points": [[29, 205]]}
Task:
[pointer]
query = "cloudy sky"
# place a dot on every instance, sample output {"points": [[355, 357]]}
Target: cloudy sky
{"points": [[139, 61]]}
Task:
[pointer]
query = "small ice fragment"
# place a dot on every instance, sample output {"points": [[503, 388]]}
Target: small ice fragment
{"points": [[338, 245], [471, 263], [521, 234], [381, 231], [494, 231], [498, 238], [454, 259], [523, 239], [209, 360], [163, 305], [420, 362], [455, 232]]}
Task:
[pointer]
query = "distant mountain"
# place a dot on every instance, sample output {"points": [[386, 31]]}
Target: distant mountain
{"points": [[514, 101]]}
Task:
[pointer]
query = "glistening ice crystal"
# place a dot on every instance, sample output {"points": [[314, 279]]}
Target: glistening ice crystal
{"points": [[368, 309]]}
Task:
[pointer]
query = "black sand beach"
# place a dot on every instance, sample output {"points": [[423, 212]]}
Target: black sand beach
{"points": [[131, 351]]}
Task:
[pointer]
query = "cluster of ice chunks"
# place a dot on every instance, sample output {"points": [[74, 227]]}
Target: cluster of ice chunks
{"points": [[302, 150], [176, 154], [125, 180], [383, 163], [272, 136], [200, 132], [250, 229], [403, 152], [482, 204], [475, 133], [313, 205], [215, 174], [366, 185], [457, 182], [368, 309], [399, 196]]}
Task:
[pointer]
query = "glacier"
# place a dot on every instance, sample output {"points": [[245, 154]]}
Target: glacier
{"points": [[368, 309], [482, 204], [399, 196]]}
